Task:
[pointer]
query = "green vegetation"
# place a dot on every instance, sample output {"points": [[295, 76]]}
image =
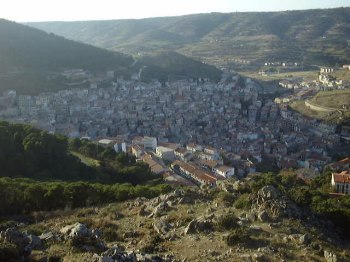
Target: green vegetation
{"points": [[238, 236], [173, 66], [310, 37], [29, 152], [20, 196], [331, 99], [314, 196], [29, 56], [227, 222]]}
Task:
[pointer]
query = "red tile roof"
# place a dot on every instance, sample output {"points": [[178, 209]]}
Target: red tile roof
{"points": [[343, 177]]}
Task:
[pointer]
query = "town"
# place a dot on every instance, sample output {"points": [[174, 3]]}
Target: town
{"points": [[190, 131]]}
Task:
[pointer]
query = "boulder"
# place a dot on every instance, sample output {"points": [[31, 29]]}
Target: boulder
{"points": [[20, 240], [47, 236], [161, 226], [199, 225], [76, 230], [34, 242]]}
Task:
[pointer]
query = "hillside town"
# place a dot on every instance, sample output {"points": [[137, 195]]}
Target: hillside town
{"points": [[214, 130]]}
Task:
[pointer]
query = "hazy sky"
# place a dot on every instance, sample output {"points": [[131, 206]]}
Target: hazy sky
{"points": [[67, 10]]}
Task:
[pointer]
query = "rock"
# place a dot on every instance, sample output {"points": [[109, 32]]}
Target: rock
{"points": [[118, 215], [143, 211], [76, 230], [116, 254], [130, 234], [199, 225], [190, 211], [191, 227], [160, 209], [161, 227], [304, 239], [330, 257], [255, 228], [47, 236], [268, 192], [20, 240], [263, 216], [34, 242]]}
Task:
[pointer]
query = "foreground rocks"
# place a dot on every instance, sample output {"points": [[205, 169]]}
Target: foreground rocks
{"points": [[269, 204]]}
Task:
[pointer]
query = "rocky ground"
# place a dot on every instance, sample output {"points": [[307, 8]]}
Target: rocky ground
{"points": [[185, 225]]}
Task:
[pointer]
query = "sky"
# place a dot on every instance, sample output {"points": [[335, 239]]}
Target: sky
{"points": [[74, 10]]}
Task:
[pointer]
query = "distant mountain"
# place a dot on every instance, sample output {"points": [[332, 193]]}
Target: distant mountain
{"points": [[310, 36], [30, 57]]}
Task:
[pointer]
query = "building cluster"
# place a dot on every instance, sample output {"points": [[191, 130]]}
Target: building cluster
{"points": [[199, 164], [234, 117]]}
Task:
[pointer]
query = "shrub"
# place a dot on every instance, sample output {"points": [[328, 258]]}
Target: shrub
{"points": [[243, 202], [238, 236], [226, 222], [225, 198]]}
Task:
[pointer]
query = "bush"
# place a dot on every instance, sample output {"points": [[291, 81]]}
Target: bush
{"points": [[243, 202], [238, 236], [226, 222], [225, 198]]}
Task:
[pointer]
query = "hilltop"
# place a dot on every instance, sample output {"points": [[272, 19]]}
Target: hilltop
{"points": [[308, 37]]}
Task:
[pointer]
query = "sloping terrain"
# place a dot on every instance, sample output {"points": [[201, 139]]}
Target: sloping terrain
{"points": [[32, 60], [311, 36]]}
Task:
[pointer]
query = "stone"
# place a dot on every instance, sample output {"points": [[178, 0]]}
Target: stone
{"points": [[304, 239], [329, 256], [34, 242], [47, 236], [20, 240], [143, 211], [161, 226], [263, 216], [76, 230], [191, 227]]}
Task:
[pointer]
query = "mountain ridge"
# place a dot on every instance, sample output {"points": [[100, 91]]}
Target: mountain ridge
{"points": [[250, 35]]}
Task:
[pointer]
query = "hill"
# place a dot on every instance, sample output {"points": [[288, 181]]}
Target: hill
{"points": [[308, 37], [32, 61], [29, 57], [331, 106], [266, 217], [27, 152], [165, 65]]}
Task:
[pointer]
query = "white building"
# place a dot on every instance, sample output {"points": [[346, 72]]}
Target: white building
{"points": [[149, 143], [341, 182], [225, 171], [165, 153]]}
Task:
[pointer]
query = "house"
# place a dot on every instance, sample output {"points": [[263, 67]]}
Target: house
{"points": [[120, 146], [149, 142], [137, 151], [225, 171], [182, 153], [193, 147], [340, 165], [165, 153], [341, 182], [155, 167], [208, 164]]}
